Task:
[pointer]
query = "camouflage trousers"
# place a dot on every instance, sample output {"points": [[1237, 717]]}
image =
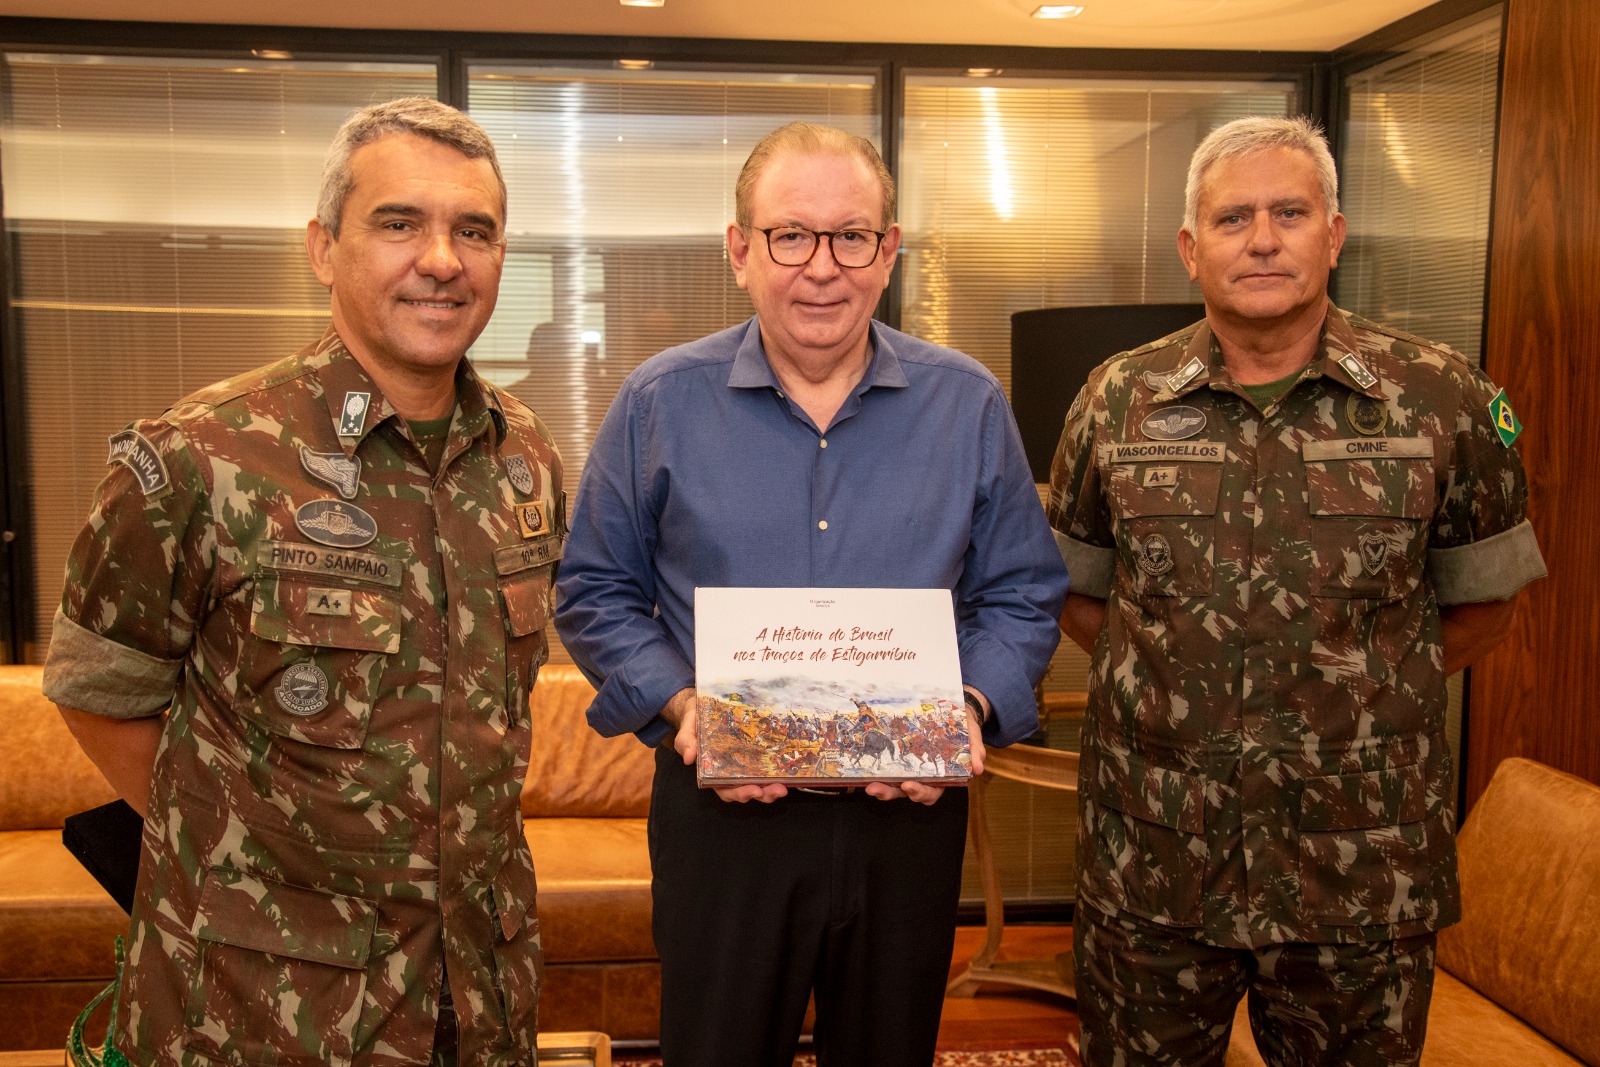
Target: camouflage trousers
{"points": [[1152, 994]]}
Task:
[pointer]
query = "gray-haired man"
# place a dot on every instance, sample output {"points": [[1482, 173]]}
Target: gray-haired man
{"points": [[254, 647], [1285, 526]]}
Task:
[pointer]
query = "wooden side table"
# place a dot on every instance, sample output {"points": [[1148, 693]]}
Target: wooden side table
{"points": [[1052, 769], [574, 1048]]}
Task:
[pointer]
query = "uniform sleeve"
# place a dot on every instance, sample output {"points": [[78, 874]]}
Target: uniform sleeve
{"points": [[1482, 546], [1012, 585], [1076, 511], [606, 595], [137, 581]]}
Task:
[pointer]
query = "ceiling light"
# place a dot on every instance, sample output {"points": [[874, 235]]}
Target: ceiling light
{"points": [[636, 64], [271, 53], [983, 72], [643, 3], [1051, 11]]}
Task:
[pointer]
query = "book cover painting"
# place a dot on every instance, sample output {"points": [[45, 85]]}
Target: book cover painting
{"points": [[828, 687]]}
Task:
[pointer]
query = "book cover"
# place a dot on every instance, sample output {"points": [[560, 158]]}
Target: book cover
{"points": [[828, 687]]}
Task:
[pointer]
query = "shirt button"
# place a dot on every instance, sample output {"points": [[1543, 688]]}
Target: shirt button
{"points": [[779, 392], [824, 442], [823, 525]]}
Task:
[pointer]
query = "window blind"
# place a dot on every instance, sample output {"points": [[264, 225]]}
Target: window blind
{"points": [[1417, 174]]}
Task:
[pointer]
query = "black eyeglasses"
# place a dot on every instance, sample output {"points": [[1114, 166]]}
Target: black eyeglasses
{"points": [[793, 246]]}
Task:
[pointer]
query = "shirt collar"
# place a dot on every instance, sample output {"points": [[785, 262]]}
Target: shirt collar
{"points": [[752, 371], [1338, 357], [347, 387]]}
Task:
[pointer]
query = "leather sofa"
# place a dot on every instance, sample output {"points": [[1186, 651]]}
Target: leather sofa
{"points": [[1518, 980], [584, 813]]}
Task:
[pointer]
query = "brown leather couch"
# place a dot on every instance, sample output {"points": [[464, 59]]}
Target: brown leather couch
{"points": [[584, 807], [1518, 980]]}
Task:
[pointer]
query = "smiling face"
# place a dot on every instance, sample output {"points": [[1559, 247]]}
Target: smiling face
{"points": [[415, 270], [1263, 243], [817, 314]]}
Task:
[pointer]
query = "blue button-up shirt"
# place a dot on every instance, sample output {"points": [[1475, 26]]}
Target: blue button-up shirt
{"points": [[705, 473]]}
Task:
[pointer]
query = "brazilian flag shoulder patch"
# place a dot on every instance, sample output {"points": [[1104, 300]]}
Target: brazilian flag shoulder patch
{"points": [[1504, 419]]}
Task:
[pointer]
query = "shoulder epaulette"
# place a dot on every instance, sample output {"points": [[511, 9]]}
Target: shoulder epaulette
{"points": [[1176, 337], [251, 381], [1359, 322]]}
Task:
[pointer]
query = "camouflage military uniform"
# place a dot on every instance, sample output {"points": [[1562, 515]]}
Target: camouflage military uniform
{"points": [[335, 811], [1264, 757]]}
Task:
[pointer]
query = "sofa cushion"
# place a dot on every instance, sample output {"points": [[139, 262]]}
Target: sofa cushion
{"points": [[1466, 1029], [594, 889], [571, 769], [44, 775], [1530, 879], [56, 922]]}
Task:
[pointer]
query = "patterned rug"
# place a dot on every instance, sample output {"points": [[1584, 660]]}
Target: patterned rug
{"points": [[1037, 1057]]}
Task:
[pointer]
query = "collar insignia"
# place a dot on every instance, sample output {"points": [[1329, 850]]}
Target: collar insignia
{"points": [[1186, 374], [1358, 371], [354, 414]]}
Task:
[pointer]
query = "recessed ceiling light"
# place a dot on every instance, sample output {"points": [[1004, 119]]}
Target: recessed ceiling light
{"points": [[1051, 11], [983, 72], [271, 53], [643, 3], [636, 64]]}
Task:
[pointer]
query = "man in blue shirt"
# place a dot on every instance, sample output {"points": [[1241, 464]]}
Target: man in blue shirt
{"points": [[808, 446]]}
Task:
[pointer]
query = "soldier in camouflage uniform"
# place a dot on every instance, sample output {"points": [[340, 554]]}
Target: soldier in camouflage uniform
{"points": [[298, 634], [1285, 527]]}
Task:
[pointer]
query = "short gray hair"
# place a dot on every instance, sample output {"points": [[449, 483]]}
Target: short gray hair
{"points": [[417, 115], [808, 138], [1258, 133]]}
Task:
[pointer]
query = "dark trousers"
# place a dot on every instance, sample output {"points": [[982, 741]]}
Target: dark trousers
{"points": [[1152, 994], [757, 905]]}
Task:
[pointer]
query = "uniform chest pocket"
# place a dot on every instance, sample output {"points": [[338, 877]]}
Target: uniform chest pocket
{"points": [[1164, 514], [1369, 515], [311, 666], [525, 601]]}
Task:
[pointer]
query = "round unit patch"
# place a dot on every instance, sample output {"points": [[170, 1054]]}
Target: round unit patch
{"points": [[303, 689], [1174, 423], [1366, 414], [335, 523], [1155, 555]]}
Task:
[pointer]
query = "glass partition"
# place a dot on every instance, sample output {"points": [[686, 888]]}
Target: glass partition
{"points": [[156, 209]]}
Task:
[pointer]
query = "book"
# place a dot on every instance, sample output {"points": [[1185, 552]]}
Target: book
{"points": [[828, 687]]}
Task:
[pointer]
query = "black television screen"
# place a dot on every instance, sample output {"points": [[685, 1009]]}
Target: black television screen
{"points": [[1054, 349]]}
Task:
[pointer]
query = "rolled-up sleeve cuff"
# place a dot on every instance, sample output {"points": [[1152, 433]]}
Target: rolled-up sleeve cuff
{"points": [[1090, 567], [85, 671], [988, 666], [631, 698], [1492, 569]]}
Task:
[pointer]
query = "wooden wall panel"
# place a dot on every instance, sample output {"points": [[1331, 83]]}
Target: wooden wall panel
{"points": [[1539, 695]]}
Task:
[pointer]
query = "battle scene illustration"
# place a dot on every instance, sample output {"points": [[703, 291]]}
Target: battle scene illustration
{"points": [[805, 730]]}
